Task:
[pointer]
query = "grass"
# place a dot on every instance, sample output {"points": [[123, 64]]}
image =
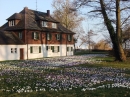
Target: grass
{"points": [[103, 92], [89, 52], [109, 62], [114, 92]]}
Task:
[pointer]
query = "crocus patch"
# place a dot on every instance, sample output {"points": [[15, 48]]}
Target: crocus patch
{"points": [[59, 73]]}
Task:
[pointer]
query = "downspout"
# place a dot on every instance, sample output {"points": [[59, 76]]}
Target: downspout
{"points": [[26, 31], [27, 44], [61, 43], [66, 44], [46, 44]]}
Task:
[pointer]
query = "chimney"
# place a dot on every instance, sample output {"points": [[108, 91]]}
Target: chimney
{"points": [[25, 8], [48, 12]]}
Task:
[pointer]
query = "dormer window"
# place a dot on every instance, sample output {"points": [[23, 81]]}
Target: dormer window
{"points": [[44, 24], [54, 25], [11, 23]]}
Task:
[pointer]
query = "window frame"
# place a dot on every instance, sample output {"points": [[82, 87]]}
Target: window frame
{"points": [[55, 49], [35, 35], [48, 48], [20, 35], [69, 49], [48, 36], [44, 24], [13, 50], [54, 25], [58, 36], [12, 23], [33, 48], [69, 37]]}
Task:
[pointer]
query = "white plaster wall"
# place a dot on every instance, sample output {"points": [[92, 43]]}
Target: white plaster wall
{"points": [[69, 53], [5, 52], [61, 53], [36, 55], [46, 53], [49, 52]]}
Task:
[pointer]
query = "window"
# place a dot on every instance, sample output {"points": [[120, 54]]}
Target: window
{"points": [[69, 37], [69, 49], [48, 47], [13, 50], [44, 24], [11, 23], [56, 49], [48, 36], [58, 36], [35, 49], [35, 35], [53, 48], [54, 25], [20, 35], [39, 49]]}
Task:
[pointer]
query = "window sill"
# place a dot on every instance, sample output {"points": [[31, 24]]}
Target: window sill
{"points": [[36, 39]]}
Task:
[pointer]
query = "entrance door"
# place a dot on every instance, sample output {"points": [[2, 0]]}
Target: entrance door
{"points": [[21, 54]]}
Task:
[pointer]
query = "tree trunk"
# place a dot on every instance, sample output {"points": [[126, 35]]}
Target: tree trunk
{"points": [[115, 36], [120, 53]]}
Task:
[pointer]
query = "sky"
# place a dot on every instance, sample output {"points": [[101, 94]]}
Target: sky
{"points": [[9, 7]]}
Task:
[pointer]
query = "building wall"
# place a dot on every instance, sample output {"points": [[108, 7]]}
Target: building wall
{"points": [[49, 52], [27, 38], [5, 51]]}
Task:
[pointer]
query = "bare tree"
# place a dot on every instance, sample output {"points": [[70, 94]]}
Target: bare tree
{"points": [[111, 11], [126, 37], [86, 39], [63, 12]]}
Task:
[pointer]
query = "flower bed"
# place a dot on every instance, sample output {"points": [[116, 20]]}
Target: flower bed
{"points": [[60, 73]]}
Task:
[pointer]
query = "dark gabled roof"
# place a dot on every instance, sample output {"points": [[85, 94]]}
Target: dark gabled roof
{"points": [[16, 16], [27, 21], [9, 38], [30, 19], [64, 30], [43, 16]]}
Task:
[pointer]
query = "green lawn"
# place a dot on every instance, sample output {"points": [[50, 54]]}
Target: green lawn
{"points": [[109, 62], [89, 52]]}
